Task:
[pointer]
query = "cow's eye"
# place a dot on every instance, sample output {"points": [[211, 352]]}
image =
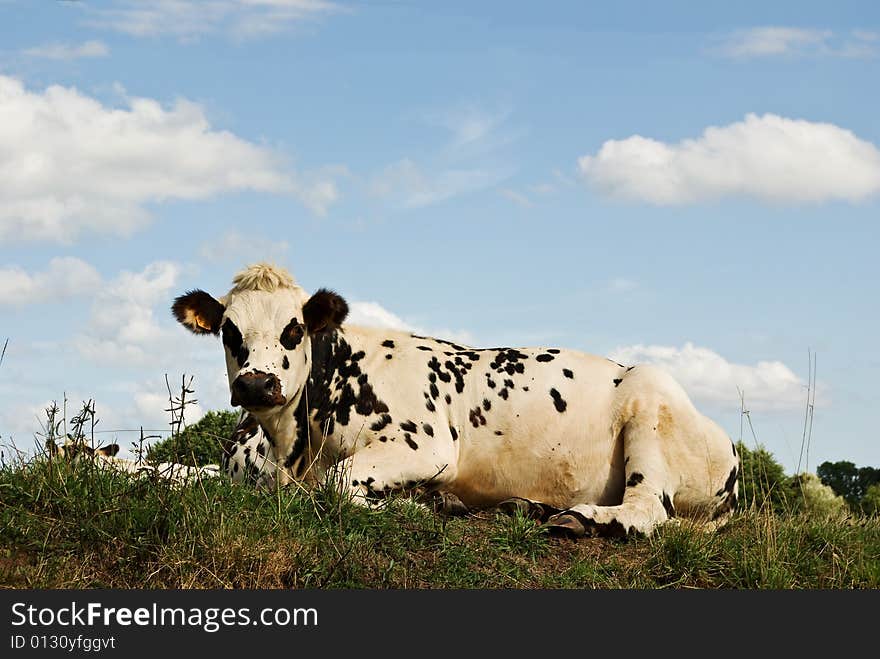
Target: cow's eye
{"points": [[292, 334]]}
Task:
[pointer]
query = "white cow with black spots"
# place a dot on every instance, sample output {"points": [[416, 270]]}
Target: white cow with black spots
{"points": [[588, 445], [75, 450]]}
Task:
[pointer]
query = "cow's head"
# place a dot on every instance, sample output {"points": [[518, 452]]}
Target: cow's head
{"points": [[266, 322]]}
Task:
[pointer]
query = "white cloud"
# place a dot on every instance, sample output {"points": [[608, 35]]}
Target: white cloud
{"points": [[123, 329], [61, 51], [233, 246], [65, 277], [373, 314], [408, 185], [710, 378], [517, 197], [775, 41], [767, 157], [622, 285], [150, 408], [72, 164], [468, 160], [188, 20]]}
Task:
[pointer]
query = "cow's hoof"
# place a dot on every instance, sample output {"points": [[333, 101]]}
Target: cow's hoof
{"points": [[449, 504], [566, 524], [526, 508]]}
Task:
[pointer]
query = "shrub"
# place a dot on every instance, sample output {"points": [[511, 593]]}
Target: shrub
{"points": [[763, 483], [871, 501], [812, 496], [198, 444]]}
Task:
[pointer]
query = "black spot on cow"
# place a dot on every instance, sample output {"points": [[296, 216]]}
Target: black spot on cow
{"points": [[558, 402], [387, 356], [498, 432], [617, 381], [553, 351], [544, 357], [429, 405], [490, 381], [454, 346], [436, 368], [232, 339], [285, 363], [503, 393], [424, 348], [448, 399], [525, 388], [729, 483], [410, 442], [383, 421], [567, 372], [429, 431], [435, 392], [292, 334], [261, 449], [734, 448], [453, 432], [634, 479], [726, 506], [667, 505], [409, 426], [383, 438], [387, 343], [487, 405], [476, 417]]}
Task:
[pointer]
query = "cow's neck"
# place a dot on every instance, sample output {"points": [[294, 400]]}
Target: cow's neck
{"points": [[325, 410]]}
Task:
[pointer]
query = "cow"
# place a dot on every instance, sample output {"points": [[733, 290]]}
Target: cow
{"points": [[585, 444], [76, 449]]}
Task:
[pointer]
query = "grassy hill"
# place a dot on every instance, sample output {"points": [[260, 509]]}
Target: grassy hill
{"points": [[76, 526]]}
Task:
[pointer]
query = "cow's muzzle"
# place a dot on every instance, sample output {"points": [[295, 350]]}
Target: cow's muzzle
{"points": [[257, 389]]}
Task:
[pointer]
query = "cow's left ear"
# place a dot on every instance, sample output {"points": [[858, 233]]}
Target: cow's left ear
{"points": [[109, 450], [325, 310], [198, 312]]}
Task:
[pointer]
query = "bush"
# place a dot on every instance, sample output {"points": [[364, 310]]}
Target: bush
{"points": [[812, 496], [871, 501], [763, 483], [198, 444]]}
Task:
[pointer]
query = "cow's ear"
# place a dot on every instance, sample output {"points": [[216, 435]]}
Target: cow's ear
{"points": [[109, 450], [198, 312], [325, 310]]}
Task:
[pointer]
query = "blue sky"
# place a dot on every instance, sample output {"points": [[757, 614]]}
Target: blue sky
{"points": [[691, 184]]}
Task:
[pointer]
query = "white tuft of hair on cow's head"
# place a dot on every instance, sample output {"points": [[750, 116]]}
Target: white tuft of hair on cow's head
{"points": [[266, 322]]}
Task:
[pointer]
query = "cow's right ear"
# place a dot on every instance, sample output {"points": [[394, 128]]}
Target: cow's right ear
{"points": [[198, 312]]}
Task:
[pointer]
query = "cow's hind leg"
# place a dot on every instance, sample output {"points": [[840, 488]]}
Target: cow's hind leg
{"points": [[647, 497]]}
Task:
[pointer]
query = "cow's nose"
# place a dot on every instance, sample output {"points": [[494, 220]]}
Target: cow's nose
{"points": [[257, 389]]}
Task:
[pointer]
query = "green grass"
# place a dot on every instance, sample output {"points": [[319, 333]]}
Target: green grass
{"points": [[76, 526]]}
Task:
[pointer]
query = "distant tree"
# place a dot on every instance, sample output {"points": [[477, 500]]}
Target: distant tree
{"points": [[847, 480], [763, 482], [198, 444], [870, 503]]}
